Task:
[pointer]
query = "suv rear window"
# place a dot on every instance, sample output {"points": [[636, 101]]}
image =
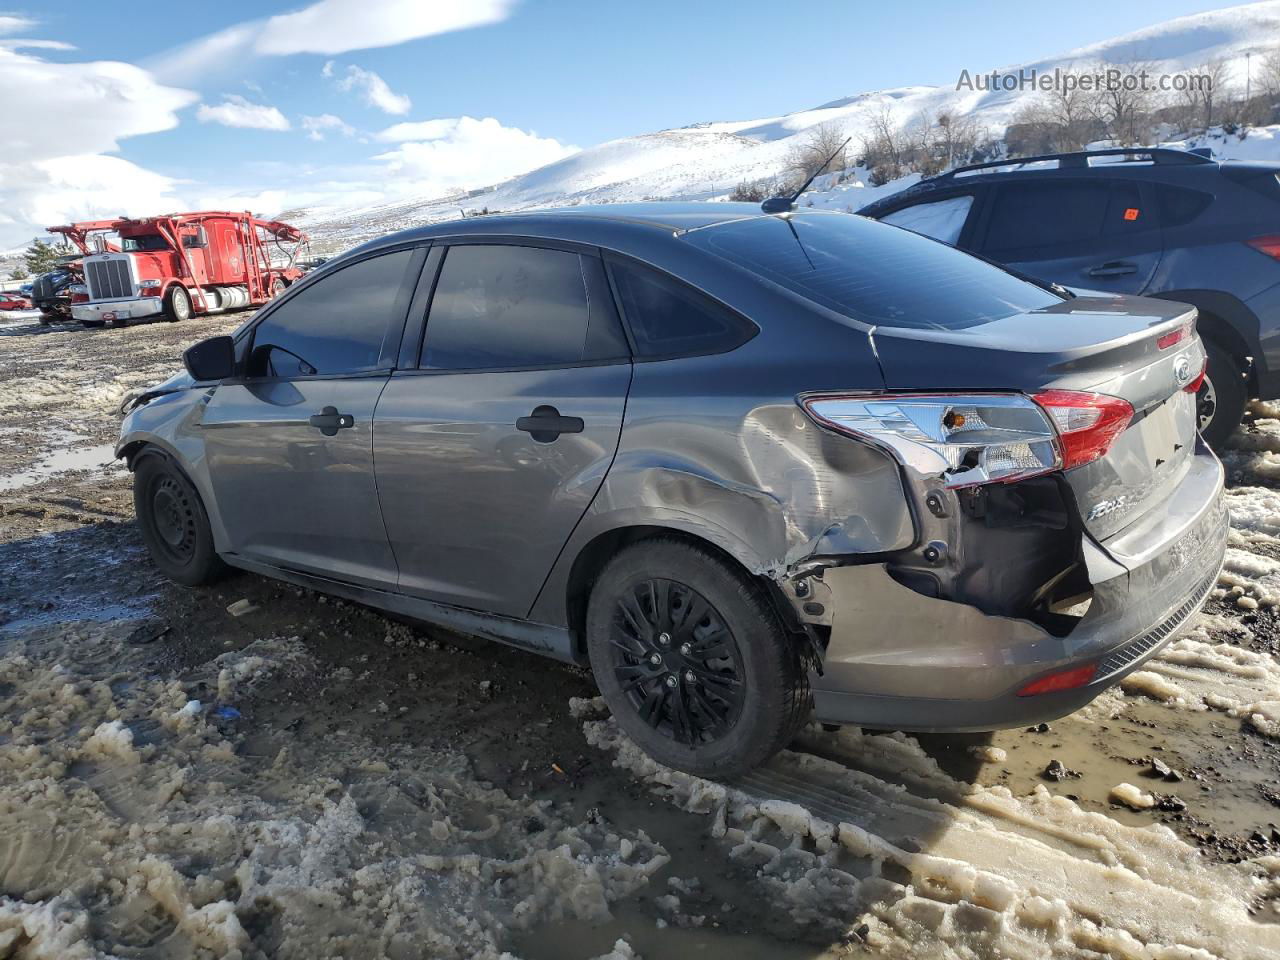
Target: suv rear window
{"points": [[1025, 216], [872, 273]]}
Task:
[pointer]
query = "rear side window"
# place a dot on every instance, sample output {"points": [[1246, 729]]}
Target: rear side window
{"points": [[501, 306], [864, 270], [668, 318], [942, 219], [1179, 206], [1025, 216], [338, 323]]}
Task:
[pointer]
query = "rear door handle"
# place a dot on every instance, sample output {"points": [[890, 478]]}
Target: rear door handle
{"points": [[329, 421], [1115, 268], [545, 424]]}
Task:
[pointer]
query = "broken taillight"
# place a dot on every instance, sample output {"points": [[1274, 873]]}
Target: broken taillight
{"points": [[967, 439], [1088, 423], [1068, 679]]}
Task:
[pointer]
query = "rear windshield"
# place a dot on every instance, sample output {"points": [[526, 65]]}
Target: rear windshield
{"points": [[873, 272]]}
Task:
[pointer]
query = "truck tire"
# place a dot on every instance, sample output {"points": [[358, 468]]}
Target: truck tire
{"points": [[278, 286], [1221, 400], [177, 303], [693, 661]]}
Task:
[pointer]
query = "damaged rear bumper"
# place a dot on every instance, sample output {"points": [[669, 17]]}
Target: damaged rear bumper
{"points": [[900, 660]]}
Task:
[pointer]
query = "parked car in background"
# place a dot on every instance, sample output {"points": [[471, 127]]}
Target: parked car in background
{"points": [[13, 300], [740, 465], [1162, 223]]}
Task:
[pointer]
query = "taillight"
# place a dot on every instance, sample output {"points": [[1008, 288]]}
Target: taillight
{"points": [[1175, 337], [1196, 382], [1269, 244], [967, 439], [1068, 679], [1088, 423]]}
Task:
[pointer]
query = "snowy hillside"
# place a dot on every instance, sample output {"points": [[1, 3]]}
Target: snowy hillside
{"points": [[706, 161]]}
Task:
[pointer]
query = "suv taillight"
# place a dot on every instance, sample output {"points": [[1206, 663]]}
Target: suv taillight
{"points": [[972, 439], [1269, 244], [1088, 423]]}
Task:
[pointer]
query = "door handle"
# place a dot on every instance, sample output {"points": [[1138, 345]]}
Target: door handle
{"points": [[545, 424], [329, 421], [1114, 268]]}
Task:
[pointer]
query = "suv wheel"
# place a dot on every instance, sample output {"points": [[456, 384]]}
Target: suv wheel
{"points": [[1221, 400], [174, 524], [692, 660]]}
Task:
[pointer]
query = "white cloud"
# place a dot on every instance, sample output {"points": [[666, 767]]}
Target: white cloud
{"points": [[54, 108], [330, 27], [435, 157], [372, 89], [236, 111], [13, 23], [317, 127]]}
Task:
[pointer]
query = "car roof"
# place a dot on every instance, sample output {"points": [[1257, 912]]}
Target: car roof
{"points": [[616, 225]]}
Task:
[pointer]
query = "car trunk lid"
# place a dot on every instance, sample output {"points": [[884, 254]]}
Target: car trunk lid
{"points": [[1141, 350]]}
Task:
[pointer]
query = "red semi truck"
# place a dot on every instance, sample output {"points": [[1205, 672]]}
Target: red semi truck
{"points": [[183, 263]]}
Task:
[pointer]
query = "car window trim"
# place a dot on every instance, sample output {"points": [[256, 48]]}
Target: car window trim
{"points": [[411, 359], [390, 342], [610, 257]]}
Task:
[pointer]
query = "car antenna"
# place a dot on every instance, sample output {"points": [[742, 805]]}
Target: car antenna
{"points": [[787, 204]]}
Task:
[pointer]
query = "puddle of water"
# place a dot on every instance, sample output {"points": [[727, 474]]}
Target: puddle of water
{"points": [[96, 457]]}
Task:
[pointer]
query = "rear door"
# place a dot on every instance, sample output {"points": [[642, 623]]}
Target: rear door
{"points": [[290, 445], [490, 451], [1097, 234]]}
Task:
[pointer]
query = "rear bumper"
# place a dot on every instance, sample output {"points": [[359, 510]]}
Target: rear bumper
{"points": [[901, 660], [127, 309]]}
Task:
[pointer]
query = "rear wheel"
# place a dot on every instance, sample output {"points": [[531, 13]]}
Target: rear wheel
{"points": [[1221, 399], [174, 524], [693, 661], [278, 286], [177, 304]]}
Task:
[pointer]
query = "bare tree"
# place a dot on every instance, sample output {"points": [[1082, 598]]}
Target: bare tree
{"points": [[1124, 107], [812, 152], [885, 149], [1206, 90], [1267, 77]]}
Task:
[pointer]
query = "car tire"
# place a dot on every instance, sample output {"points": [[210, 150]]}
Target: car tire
{"points": [[730, 687], [175, 526], [1222, 397], [177, 304]]}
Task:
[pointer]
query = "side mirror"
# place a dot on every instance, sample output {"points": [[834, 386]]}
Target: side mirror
{"points": [[212, 359]]}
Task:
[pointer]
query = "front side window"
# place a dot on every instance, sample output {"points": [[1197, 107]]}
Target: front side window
{"points": [[498, 306], [145, 242], [942, 219], [868, 272], [338, 323]]}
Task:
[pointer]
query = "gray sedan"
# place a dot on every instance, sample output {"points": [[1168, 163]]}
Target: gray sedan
{"points": [[751, 468]]}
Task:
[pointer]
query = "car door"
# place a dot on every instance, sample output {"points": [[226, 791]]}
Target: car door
{"points": [[290, 444], [1099, 234], [489, 453]]}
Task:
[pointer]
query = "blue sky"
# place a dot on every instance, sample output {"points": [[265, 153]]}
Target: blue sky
{"points": [[551, 74]]}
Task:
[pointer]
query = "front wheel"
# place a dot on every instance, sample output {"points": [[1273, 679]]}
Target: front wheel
{"points": [[693, 660], [174, 524], [177, 304], [1221, 399]]}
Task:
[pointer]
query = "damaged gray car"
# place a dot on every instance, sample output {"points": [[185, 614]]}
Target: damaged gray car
{"points": [[750, 468]]}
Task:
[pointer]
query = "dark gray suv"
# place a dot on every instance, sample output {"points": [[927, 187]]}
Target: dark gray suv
{"points": [[750, 468], [1161, 223]]}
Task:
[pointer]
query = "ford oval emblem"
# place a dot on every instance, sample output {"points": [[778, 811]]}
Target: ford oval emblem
{"points": [[1182, 371]]}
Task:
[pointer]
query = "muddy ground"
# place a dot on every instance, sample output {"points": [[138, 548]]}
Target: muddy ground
{"points": [[311, 779]]}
